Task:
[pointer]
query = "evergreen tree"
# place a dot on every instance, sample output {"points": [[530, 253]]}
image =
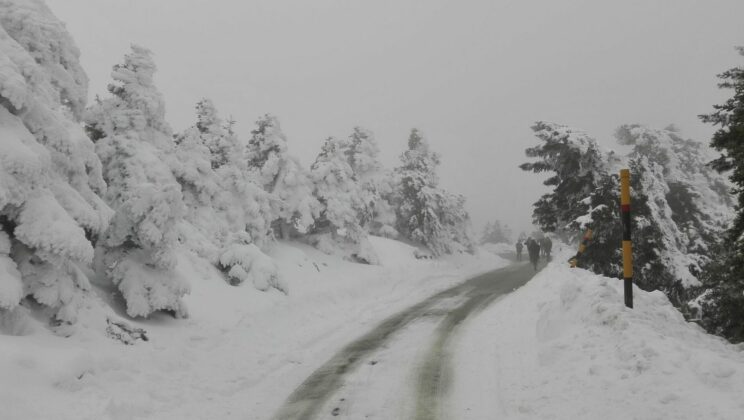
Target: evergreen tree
{"points": [[723, 306], [133, 141], [337, 226], [673, 230], [222, 144], [425, 213], [193, 165], [281, 175], [685, 202], [495, 233], [50, 176], [456, 221], [228, 214], [578, 169], [376, 214]]}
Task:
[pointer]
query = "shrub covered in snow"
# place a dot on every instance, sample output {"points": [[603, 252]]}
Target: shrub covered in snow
{"points": [[247, 263]]}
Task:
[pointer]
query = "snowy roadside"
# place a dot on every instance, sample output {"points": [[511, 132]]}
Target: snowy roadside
{"points": [[239, 354], [564, 346]]}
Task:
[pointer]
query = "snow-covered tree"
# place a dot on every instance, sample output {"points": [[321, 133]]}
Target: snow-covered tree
{"points": [[337, 228], [50, 177], [687, 201], [133, 141], [228, 214], [456, 222], [192, 165], [376, 214], [494, 232], [577, 168], [282, 176], [723, 307], [672, 228], [221, 143], [425, 213]]}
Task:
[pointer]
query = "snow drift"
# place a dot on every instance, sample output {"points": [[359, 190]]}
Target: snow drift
{"points": [[565, 346]]}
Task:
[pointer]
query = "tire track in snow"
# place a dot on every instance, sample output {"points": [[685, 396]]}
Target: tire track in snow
{"points": [[308, 399], [435, 373]]}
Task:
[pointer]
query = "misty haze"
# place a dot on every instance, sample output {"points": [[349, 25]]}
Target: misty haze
{"points": [[371, 210]]}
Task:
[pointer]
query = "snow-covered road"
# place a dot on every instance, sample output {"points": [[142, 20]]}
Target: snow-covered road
{"points": [[402, 367]]}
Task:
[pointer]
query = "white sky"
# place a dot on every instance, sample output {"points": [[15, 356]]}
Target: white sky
{"points": [[471, 74]]}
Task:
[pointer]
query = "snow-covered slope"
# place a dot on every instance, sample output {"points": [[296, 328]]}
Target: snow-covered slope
{"points": [[238, 355], [565, 347]]}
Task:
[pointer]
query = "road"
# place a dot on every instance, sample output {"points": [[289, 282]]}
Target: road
{"points": [[415, 340]]}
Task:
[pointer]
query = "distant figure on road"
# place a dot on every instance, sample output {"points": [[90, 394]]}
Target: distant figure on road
{"points": [[546, 244], [519, 250], [533, 248]]}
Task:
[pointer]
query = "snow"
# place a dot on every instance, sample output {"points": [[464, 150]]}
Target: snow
{"points": [[239, 353], [11, 288], [564, 346], [500, 248]]}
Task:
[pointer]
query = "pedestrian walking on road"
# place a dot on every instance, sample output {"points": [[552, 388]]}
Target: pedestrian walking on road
{"points": [[546, 244], [519, 250], [533, 248]]}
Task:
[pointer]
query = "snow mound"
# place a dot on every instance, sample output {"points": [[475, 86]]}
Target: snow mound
{"points": [[565, 346]]}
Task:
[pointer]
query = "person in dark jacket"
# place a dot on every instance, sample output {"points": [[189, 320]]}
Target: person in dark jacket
{"points": [[533, 248], [546, 245]]}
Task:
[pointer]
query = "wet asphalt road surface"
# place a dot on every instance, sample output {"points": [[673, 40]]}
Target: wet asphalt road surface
{"points": [[434, 372]]}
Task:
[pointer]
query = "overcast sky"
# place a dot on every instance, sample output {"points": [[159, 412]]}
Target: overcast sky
{"points": [[473, 75]]}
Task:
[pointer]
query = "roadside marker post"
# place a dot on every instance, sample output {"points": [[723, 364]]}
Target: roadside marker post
{"points": [[627, 244]]}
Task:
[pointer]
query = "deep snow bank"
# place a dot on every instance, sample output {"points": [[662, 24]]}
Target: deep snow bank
{"points": [[564, 346], [240, 353]]}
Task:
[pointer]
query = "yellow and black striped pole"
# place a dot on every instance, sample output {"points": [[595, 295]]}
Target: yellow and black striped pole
{"points": [[627, 246]]}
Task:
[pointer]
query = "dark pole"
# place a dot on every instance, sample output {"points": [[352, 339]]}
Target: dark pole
{"points": [[627, 245]]}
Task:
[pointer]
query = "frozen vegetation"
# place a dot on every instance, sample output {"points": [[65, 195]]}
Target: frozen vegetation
{"points": [[120, 204], [190, 273]]}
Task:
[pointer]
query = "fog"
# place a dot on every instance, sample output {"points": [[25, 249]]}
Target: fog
{"points": [[472, 75]]}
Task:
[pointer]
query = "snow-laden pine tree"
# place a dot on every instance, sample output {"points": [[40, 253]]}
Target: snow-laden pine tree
{"points": [[456, 221], [202, 230], [376, 214], [50, 176], [688, 203], [425, 213], [133, 141], [337, 228], [576, 166], [672, 229], [723, 305], [585, 196], [495, 233], [228, 214], [281, 175], [221, 143]]}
